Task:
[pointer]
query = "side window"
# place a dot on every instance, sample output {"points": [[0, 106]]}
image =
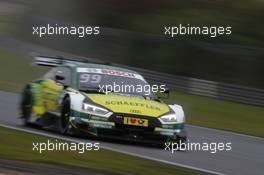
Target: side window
{"points": [[65, 73]]}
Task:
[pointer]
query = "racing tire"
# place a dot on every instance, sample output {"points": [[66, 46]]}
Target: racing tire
{"points": [[26, 106], [64, 121], [181, 139]]}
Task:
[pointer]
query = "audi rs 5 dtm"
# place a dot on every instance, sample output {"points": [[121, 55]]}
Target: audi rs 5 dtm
{"points": [[68, 97]]}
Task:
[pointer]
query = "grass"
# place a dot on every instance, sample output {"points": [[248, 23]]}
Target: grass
{"points": [[213, 113], [16, 71], [102, 160]]}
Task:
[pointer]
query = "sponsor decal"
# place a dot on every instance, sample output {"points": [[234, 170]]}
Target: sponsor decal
{"points": [[147, 106], [135, 121], [130, 105], [110, 72]]}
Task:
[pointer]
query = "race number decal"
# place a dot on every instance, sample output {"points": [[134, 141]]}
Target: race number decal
{"points": [[90, 78]]}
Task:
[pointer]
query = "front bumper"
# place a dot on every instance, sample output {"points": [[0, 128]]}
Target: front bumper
{"points": [[113, 130]]}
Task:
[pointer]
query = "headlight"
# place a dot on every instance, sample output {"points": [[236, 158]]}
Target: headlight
{"points": [[169, 118], [94, 109]]}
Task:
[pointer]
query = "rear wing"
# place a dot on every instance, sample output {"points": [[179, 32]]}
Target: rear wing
{"points": [[48, 61], [57, 61]]}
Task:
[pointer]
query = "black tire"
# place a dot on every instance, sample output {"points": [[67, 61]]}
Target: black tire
{"points": [[26, 106], [179, 139], [182, 137], [64, 121]]}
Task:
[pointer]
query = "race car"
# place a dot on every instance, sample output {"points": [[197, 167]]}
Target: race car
{"points": [[74, 97]]}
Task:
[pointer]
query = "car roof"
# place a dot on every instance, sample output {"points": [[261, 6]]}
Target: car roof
{"points": [[99, 66]]}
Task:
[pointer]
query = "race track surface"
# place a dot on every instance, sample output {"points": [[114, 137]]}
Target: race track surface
{"points": [[246, 156]]}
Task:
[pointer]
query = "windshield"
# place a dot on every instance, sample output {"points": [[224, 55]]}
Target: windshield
{"points": [[103, 80]]}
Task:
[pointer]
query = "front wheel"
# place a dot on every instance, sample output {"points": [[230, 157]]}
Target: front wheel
{"points": [[64, 121]]}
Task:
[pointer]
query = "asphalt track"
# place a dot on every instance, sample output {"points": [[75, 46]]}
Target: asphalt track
{"points": [[246, 156]]}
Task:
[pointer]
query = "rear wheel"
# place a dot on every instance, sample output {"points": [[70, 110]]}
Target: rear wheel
{"points": [[64, 121], [26, 106]]}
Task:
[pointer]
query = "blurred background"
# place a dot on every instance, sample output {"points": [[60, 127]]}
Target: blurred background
{"points": [[132, 34]]}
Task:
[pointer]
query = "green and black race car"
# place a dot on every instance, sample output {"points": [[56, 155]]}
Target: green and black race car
{"points": [[77, 96]]}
